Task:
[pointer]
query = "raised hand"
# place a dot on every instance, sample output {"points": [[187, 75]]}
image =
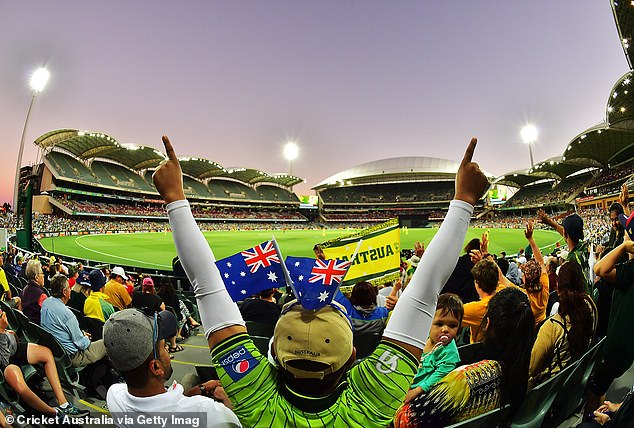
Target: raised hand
{"points": [[471, 183], [528, 232], [484, 243], [168, 177], [419, 249], [624, 196]]}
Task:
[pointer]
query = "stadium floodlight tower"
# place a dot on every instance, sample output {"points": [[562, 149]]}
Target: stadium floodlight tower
{"points": [[39, 78], [291, 151], [529, 136]]}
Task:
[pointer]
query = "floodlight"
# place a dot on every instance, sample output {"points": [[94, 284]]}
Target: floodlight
{"points": [[291, 151], [39, 79], [529, 133]]}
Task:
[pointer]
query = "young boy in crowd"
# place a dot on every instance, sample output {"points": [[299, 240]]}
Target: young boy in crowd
{"points": [[440, 355]]}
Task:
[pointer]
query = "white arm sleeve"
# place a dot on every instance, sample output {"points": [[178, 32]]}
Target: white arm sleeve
{"points": [[414, 312], [216, 308]]}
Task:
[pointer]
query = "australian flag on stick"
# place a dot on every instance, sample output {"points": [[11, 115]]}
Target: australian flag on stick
{"points": [[253, 270], [315, 282]]}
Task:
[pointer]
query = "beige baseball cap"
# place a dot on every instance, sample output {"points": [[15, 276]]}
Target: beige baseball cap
{"points": [[323, 335]]}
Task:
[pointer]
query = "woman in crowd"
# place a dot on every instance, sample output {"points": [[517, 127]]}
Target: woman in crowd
{"points": [[14, 354], [567, 335], [366, 317], [495, 374]]}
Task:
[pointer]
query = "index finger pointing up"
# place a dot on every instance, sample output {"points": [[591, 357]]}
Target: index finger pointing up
{"points": [[468, 154], [169, 150]]}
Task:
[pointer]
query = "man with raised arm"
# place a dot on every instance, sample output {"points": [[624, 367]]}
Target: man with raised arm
{"points": [[312, 384]]}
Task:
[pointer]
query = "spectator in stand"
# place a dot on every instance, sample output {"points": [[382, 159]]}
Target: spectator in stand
{"points": [[617, 353], [33, 294], [440, 355], [147, 299], [314, 349], [536, 278], [485, 275], [261, 308], [361, 307], [58, 320], [135, 344], [521, 258], [14, 354], [461, 280], [551, 269], [13, 301], [80, 291], [572, 231], [617, 233], [495, 371], [73, 273], [567, 335], [116, 291], [97, 305]]}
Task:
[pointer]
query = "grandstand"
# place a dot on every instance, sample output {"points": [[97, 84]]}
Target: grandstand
{"points": [[90, 175], [410, 188]]}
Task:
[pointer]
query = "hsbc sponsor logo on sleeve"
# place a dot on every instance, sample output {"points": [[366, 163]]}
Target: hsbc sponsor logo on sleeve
{"points": [[238, 363]]}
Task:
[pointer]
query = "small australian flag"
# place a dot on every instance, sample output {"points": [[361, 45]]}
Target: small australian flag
{"points": [[251, 271], [315, 281]]}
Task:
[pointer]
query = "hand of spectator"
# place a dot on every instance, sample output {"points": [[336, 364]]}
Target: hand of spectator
{"points": [[319, 252], [214, 389], [412, 393], [168, 178], [528, 232], [87, 334], [471, 183], [601, 418], [484, 243], [624, 196], [609, 406], [390, 302], [476, 256], [419, 249], [542, 216]]}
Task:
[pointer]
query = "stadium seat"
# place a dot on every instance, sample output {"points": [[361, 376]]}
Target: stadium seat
{"points": [[538, 401], [490, 419], [365, 343], [261, 334], [68, 374], [571, 394]]}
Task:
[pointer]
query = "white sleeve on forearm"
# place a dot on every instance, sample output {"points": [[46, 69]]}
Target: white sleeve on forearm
{"points": [[412, 317], [216, 308]]}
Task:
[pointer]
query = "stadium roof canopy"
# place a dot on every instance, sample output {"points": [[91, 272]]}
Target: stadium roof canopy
{"points": [[624, 16], [87, 145], [519, 178], [394, 169], [253, 176], [556, 168]]}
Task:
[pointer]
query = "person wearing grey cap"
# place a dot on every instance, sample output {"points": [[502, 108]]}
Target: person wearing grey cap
{"points": [[135, 344]]}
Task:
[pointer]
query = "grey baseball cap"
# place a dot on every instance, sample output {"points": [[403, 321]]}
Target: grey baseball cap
{"points": [[128, 336]]}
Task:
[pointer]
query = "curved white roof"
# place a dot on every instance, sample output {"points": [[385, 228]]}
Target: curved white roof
{"points": [[401, 165]]}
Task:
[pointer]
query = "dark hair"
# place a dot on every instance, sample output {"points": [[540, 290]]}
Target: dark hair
{"points": [[265, 294], [616, 207], [363, 294], [503, 264], [450, 303], [486, 273], [474, 244], [575, 303], [58, 284], [508, 337], [167, 289]]}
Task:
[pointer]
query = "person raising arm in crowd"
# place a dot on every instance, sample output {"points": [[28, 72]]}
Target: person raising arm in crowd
{"points": [[313, 384]]}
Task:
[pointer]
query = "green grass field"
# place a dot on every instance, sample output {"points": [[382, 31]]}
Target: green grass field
{"points": [[156, 250]]}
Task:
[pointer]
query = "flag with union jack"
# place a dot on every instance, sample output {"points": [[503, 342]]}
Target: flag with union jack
{"points": [[315, 281], [251, 271]]}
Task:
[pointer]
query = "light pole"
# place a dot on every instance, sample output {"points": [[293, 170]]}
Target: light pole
{"points": [[290, 152], [38, 80], [529, 136]]}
